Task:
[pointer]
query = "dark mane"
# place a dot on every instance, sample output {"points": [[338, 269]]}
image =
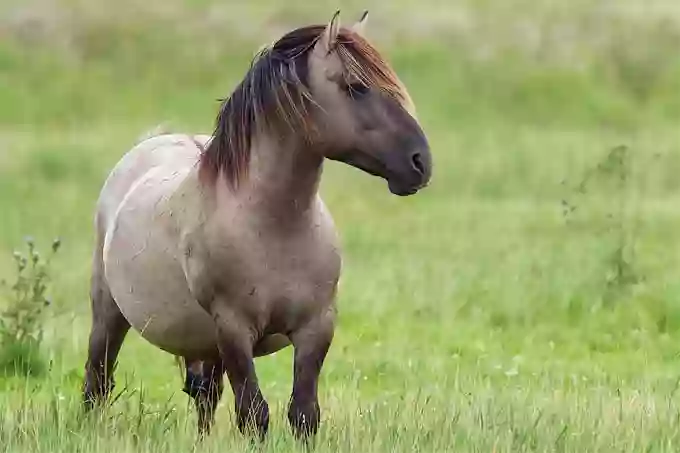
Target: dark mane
{"points": [[274, 95]]}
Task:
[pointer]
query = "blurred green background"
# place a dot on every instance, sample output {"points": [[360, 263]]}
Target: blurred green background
{"points": [[538, 274]]}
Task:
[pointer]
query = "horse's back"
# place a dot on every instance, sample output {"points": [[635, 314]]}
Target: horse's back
{"points": [[169, 152]]}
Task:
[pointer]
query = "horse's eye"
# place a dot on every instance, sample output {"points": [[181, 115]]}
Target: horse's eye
{"points": [[357, 89]]}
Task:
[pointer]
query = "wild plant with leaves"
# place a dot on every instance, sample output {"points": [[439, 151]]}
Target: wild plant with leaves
{"points": [[24, 302]]}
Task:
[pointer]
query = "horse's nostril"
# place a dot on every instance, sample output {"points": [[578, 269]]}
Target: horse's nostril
{"points": [[417, 162]]}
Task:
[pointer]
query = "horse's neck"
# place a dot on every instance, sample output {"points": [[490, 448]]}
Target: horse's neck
{"points": [[283, 180]]}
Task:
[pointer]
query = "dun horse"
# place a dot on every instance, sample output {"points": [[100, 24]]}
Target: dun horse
{"points": [[218, 249]]}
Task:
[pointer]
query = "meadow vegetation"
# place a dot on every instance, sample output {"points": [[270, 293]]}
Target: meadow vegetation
{"points": [[528, 300]]}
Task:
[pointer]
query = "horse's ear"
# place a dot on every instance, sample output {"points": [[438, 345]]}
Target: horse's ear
{"points": [[329, 38], [360, 25]]}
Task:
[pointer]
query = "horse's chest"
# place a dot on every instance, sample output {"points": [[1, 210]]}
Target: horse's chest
{"points": [[290, 276], [282, 283]]}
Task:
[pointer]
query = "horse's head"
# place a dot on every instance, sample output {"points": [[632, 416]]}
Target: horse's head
{"points": [[328, 87], [364, 115]]}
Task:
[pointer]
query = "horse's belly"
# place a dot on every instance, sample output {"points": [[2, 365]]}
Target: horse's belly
{"points": [[147, 282], [159, 306]]}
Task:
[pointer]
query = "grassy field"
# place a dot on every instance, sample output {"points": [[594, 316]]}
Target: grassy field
{"points": [[529, 300]]}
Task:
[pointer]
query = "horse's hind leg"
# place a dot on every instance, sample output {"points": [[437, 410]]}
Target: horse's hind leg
{"points": [[204, 384], [108, 331]]}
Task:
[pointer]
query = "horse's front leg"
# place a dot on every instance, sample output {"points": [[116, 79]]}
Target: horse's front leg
{"points": [[235, 341], [311, 344]]}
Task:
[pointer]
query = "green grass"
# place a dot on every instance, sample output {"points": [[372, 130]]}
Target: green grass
{"points": [[476, 316]]}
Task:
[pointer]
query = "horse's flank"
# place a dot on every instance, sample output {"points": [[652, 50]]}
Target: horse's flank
{"points": [[274, 97]]}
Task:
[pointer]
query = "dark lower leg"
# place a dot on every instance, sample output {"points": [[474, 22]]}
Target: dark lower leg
{"points": [[195, 380], [311, 346], [236, 350], [109, 328], [252, 410], [107, 334], [204, 384]]}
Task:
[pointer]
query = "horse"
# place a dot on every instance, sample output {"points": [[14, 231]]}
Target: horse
{"points": [[218, 249]]}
